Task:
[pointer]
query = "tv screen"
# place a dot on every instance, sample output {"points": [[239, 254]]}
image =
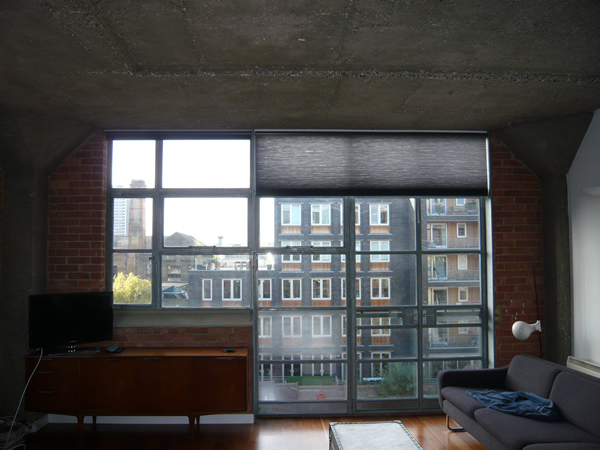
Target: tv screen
{"points": [[70, 319]]}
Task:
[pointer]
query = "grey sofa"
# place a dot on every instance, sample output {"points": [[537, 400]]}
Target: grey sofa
{"points": [[576, 395]]}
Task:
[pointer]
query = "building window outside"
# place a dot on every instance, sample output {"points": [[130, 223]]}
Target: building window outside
{"points": [[232, 289], [439, 235], [462, 262], [320, 214], [291, 258], [321, 288], [319, 257], [292, 289], [379, 214], [380, 246], [290, 215], [380, 288], [321, 326], [461, 230], [380, 322], [377, 368], [264, 327], [264, 289], [292, 326], [437, 206], [463, 294]]}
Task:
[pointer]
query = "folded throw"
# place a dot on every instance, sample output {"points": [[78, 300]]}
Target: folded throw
{"points": [[518, 403]]}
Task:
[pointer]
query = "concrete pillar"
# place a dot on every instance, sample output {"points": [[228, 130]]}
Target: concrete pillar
{"points": [[31, 147]]}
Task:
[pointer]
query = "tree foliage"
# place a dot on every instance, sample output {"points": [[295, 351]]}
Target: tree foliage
{"points": [[131, 289], [398, 380]]}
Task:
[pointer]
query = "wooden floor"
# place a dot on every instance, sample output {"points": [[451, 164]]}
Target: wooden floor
{"points": [[273, 433]]}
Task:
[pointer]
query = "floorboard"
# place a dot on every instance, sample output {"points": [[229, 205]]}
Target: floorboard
{"points": [[266, 433]]}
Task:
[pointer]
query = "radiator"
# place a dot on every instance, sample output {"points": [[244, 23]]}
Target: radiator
{"points": [[583, 366]]}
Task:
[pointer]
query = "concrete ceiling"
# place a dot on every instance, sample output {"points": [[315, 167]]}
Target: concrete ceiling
{"points": [[352, 64]]}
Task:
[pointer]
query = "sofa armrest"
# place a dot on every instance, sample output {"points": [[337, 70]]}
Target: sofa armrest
{"points": [[472, 378]]}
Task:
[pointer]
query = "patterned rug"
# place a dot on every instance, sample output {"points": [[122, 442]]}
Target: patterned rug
{"points": [[371, 436]]}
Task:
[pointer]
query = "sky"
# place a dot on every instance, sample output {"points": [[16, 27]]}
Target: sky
{"points": [[195, 164]]}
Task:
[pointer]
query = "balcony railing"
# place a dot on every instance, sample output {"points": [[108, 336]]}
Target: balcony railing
{"points": [[468, 242], [456, 275]]}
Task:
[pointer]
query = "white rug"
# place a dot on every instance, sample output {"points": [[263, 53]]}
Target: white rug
{"points": [[371, 436]]}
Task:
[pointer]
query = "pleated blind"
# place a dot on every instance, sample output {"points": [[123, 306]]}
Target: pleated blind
{"points": [[358, 164]]}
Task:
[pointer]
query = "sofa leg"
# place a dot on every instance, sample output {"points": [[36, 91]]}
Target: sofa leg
{"points": [[449, 427]]}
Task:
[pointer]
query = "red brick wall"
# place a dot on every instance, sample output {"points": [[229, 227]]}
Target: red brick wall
{"points": [[234, 337], [517, 231], [77, 219]]}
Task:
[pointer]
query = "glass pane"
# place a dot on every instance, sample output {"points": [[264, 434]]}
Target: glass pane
{"points": [[452, 279], [192, 222], [205, 281], [132, 223], [388, 280], [450, 223], [398, 342], [309, 350], [133, 164], [300, 222], [451, 342], [206, 163], [132, 278], [431, 369], [381, 379], [386, 224]]}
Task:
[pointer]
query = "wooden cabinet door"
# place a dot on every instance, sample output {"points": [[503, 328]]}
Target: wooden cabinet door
{"points": [[162, 384], [54, 386], [107, 384], [219, 384]]}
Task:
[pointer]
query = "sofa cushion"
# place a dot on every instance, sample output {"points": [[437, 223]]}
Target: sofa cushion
{"points": [[578, 400], [529, 374], [517, 432], [458, 397]]}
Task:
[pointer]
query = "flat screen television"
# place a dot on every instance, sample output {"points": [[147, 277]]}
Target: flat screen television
{"points": [[57, 320]]}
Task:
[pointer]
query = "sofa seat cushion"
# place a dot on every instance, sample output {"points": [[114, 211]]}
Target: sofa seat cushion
{"points": [[458, 397], [517, 432]]}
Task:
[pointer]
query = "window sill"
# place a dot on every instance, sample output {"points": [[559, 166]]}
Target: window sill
{"points": [[127, 318]]}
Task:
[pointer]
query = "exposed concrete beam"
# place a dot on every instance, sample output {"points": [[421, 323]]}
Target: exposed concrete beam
{"points": [[548, 149]]}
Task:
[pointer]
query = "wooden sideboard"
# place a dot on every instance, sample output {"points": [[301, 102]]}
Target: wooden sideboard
{"points": [[188, 382]]}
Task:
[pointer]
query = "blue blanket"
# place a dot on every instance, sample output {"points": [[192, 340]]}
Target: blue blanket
{"points": [[518, 403]]}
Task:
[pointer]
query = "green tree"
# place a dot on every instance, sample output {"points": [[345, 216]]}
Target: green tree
{"points": [[131, 289], [398, 380]]}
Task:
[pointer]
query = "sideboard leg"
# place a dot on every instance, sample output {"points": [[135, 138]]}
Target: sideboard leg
{"points": [[192, 420]]}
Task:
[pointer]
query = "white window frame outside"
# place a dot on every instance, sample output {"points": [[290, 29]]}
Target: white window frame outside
{"points": [[291, 207], [319, 257], [461, 226], [261, 288], [443, 234], [380, 246], [462, 262], [461, 201], [377, 368], [379, 214], [432, 268], [319, 326], [434, 202], [324, 287], [323, 211], [382, 322], [295, 324], [233, 282], [381, 289], [344, 326], [291, 282], [291, 258], [264, 320], [357, 247], [466, 296], [262, 366]]}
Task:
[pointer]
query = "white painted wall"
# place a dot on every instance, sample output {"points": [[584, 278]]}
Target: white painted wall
{"points": [[584, 211]]}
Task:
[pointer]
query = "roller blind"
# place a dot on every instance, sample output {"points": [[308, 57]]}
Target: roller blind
{"points": [[338, 164]]}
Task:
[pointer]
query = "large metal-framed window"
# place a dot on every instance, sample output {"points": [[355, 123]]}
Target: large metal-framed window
{"points": [[419, 305]]}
